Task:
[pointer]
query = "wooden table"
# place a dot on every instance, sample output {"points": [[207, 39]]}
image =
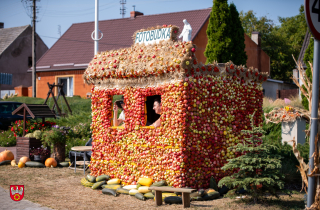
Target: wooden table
{"points": [[185, 194], [81, 149]]}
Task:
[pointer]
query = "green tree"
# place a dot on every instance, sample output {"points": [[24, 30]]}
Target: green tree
{"points": [[257, 166], [218, 33], [237, 46], [279, 42], [251, 23]]}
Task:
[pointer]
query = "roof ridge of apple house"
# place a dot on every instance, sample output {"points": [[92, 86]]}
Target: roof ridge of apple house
{"points": [[204, 108]]}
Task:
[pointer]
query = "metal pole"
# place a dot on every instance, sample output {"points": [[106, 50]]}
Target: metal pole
{"points": [[34, 50], [96, 28], [314, 120]]}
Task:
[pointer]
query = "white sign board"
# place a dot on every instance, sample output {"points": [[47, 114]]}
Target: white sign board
{"points": [[312, 13], [153, 36]]}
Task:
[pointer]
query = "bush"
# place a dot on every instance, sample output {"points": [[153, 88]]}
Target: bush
{"points": [[72, 142], [82, 131], [7, 139], [31, 126], [57, 134], [74, 120], [289, 160], [257, 168]]}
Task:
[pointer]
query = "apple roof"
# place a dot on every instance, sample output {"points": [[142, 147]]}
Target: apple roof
{"points": [[151, 65]]}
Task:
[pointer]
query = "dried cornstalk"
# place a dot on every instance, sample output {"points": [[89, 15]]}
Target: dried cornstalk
{"points": [[316, 204], [303, 168], [306, 82]]}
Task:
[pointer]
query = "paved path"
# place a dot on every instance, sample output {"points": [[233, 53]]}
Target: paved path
{"points": [[6, 203]]}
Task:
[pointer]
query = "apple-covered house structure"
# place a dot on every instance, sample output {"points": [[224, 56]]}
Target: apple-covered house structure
{"points": [[204, 108]]}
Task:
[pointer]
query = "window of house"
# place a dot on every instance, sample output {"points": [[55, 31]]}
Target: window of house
{"points": [[67, 85], [117, 100], [151, 115], [29, 62]]}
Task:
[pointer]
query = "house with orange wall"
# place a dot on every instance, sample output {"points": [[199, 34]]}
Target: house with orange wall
{"points": [[68, 58]]}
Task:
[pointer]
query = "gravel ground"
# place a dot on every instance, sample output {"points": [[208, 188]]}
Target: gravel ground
{"points": [[60, 188]]}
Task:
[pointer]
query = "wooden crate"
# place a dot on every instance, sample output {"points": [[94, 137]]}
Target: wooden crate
{"points": [[24, 144]]}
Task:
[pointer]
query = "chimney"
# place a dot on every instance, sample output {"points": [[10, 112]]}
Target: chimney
{"points": [[256, 37], [1, 25], [134, 14]]}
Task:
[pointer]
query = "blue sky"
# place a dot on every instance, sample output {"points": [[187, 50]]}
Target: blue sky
{"points": [[63, 13]]}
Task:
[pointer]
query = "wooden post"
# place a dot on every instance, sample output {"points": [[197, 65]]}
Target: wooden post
{"points": [[158, 195], [65, 100], [48, 95], [186, 200], [24, 121], [56, 103]]}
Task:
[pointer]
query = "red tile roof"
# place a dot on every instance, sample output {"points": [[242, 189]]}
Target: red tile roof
{"points": [[77, 47]]}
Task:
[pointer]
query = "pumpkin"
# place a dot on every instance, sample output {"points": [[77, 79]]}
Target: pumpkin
{"points": [[51, 162], [13, 162], [6, 155], [24, 159], [21, 164]]}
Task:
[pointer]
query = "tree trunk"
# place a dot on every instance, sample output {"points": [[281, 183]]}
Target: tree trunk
{"points": [[59, 151]]}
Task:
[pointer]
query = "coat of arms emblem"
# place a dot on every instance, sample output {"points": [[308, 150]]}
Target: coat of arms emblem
{"points": [[16, 192]]}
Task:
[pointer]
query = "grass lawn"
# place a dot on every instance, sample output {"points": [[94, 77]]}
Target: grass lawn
{"points": [[77, 104], [60, 188]]}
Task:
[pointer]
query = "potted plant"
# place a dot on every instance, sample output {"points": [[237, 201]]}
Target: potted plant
{"points": [[57, 136], [39, 154]]}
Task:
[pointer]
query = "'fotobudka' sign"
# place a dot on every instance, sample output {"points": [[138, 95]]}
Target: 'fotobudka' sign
{"points": [[153, 36]]}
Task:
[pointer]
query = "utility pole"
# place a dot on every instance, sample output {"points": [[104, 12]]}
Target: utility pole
{"points": [[96, 28], [34, 44], [123, 9]]}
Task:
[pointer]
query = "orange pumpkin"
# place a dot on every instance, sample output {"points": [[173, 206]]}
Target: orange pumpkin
{"points": [[21, 164], [24, 159], [6, 155], [51, 162]]}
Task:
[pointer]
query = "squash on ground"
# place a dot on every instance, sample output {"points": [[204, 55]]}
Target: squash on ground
{"points": [[164, 195], [21, 164], [111, 186], [97, 185], [140, 196], [5, 162], [13, 162], [102, 178], [173, 200], [159, 184], [114, 181], [144, 189], [51, 162], [149, 195], [130, 187], [63, 164], [34, 164], [24, 159], [91, 179], [109, 192], [145, 181], [133, 192], [122, 191], [6, 155]]}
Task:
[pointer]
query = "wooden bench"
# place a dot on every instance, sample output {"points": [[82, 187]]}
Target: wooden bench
{"points": [[185, 194]]}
